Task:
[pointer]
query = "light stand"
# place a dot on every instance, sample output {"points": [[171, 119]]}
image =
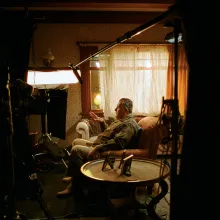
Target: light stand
{"points": [[45, 140], [174, 126], [45, 137], [11, 192], [9, 210]]}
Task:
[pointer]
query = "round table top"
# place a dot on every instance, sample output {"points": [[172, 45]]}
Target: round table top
{"points": [[142, 171]]}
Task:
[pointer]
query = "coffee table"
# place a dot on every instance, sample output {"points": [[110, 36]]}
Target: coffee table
{"points": [[144, 172]]}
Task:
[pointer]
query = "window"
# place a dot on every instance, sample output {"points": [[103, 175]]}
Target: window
{"points": [[96, 98], [135, 72], [86, 89], [143, 73]]}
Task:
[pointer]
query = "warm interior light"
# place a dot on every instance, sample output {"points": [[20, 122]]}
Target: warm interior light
{"points": [[98, 99], [57, 77]]}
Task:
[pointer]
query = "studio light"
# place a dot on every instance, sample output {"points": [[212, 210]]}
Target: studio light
{"points": [[176, 25], [171, 39], [47, 78]]}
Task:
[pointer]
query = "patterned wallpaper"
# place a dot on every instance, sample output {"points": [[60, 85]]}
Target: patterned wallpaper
{"points": [[62, 38]]}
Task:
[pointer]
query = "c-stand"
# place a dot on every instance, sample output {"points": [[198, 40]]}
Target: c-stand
{"points": [[6, 109], [36, 195], [36, 192], [15, 125], [45, 137], [49, 147]]}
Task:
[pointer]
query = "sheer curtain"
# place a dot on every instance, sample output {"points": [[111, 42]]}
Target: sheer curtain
{"points": [[136, 72]]}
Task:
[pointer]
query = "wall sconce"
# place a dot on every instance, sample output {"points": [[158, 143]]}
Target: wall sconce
{"points": [[49, 77]]}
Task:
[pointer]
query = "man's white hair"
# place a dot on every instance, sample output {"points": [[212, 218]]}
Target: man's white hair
{"points": [[127, 104]]}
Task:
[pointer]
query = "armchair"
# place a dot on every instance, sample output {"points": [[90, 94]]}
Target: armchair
{"points": [[83, 128], [147, 146], [88, 129]]}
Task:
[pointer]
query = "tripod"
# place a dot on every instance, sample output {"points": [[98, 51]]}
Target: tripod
{"points": [[50, 148], [16, 135], [36, 192]]}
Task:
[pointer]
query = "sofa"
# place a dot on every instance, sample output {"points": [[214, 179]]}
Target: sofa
{"points": [[152, 135]]}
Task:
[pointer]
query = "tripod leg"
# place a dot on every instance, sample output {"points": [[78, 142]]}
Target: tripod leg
{"points": [[66, 151], [44, 207], [64, 162]]}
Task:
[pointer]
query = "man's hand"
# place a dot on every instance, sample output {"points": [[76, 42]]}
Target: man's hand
{"points": [[95, 117], [93, 153]]}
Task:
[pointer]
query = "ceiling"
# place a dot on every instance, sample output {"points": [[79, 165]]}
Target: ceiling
{"points": [[87, 11]]}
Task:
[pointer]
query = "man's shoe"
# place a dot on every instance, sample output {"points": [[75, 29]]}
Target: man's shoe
{"points": [[67, 179], [65, 193]]}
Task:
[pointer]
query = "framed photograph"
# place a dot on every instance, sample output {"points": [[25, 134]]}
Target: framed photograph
{"points": [[126, 165], [109, 160], [122, 157]]}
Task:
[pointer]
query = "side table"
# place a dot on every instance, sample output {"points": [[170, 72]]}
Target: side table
{"points": [[144, 172]]}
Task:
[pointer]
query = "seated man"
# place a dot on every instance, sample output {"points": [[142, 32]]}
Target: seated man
{"points": [[116, 136]]}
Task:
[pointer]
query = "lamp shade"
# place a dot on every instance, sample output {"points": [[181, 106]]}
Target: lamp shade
{"points": [[98, 99]]}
